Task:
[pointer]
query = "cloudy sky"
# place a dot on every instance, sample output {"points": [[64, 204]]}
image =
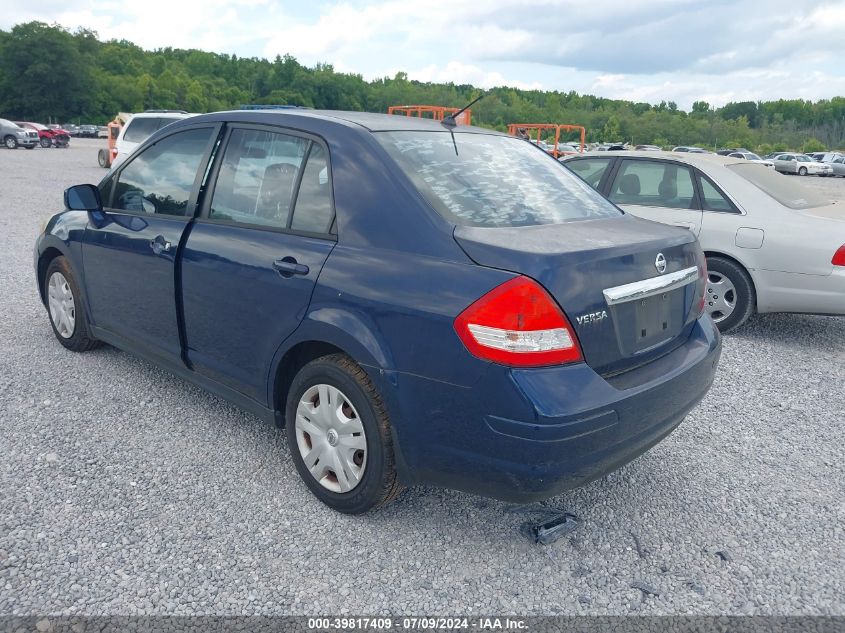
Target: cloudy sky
{"points": [[642, 50]]}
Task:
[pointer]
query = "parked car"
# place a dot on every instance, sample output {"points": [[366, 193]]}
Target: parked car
{"points": [[690, 149], [72, 128], [47, 137], [478, 319], [88, 131], [754, 158], [14, 136], [772, 245], [139, 128], [730, 150], [647, 148], [800, 164], [838, 166], [102, 131], [825, 157]]}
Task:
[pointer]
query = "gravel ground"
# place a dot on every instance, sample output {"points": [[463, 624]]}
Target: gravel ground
{"points": [[124, 490]]}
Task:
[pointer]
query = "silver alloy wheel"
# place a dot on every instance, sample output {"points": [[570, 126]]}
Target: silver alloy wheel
{"points": [[720, 296], [331, 438], [62, 305], [11, 143]]}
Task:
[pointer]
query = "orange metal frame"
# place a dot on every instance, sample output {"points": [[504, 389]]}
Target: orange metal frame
{"points": [[529, 128], [438, 113]]}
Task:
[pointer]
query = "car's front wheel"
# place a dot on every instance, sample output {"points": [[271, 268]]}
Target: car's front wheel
{"points": [[45, 142], [10, 142], [340, 436], [65, 308], [802, 171], [729, 295]]}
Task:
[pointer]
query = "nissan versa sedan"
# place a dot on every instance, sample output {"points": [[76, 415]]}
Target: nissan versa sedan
{"points": [[414, 302], [772, 244]]}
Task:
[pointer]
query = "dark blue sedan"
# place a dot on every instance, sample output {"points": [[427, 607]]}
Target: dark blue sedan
{"points": [[416, 303]]}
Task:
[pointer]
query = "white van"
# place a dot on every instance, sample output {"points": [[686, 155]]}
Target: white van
{"points": [[139, 128]]}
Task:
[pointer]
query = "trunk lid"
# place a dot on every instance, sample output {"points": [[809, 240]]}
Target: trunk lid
{"points": [[577, 261]]}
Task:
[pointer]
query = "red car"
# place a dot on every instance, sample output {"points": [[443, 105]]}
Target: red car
{"points": [[47, 136]]}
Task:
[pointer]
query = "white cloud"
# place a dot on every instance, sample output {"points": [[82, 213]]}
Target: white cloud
{"points": [[649, 50]]}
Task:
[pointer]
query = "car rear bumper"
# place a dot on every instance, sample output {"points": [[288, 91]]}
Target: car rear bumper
{"points": [[526, 435]]}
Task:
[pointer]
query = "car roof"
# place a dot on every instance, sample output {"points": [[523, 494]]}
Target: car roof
{"points": [[369, 120], [698, 160]]}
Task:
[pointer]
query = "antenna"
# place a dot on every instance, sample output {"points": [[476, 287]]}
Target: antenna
{"points": [[449, 120]]}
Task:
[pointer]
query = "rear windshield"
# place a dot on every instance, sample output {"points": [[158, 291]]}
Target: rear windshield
{"points": [[493, 181], [139, 129], [785, 190]]}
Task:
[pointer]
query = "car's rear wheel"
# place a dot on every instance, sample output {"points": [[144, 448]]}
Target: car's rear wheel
{"points": [[340, 437], [10, 142], [729, 295], [45, 142], [65, 308], [103, 158], [802, 171]]}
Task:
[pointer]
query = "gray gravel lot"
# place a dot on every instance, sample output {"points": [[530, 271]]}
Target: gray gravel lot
{"points": [[125, 490]]}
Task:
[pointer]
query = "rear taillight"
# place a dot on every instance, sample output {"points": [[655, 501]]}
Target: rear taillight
{"points": [[520, 325], [839, 257]]}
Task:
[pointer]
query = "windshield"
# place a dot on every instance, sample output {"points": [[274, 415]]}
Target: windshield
{"points": [[785, 190], [493, 181], [752, 156], [804, 159]]}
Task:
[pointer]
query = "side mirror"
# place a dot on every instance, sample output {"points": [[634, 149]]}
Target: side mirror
{"points": [[83, 198]]}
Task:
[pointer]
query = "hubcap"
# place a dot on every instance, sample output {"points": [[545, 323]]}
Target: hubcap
{"points": [[720, 296], [61, 304], [331, 438]]}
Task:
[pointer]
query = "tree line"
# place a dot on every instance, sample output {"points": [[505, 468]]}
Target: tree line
{"points": [[49, 73]]}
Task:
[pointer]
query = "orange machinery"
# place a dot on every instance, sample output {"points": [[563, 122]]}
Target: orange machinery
{"points": [[527, 130], [438, 113], [106, 155]]}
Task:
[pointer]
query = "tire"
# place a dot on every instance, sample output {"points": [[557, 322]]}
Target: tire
{"points": [[103, 158], [10, 142], [369, 468], [802, 171], [45, 142], [729, 295], [71, 328]]}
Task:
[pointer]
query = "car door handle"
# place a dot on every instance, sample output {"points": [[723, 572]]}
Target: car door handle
{"points": [[159, 245], [288, 267], [684, 225]]}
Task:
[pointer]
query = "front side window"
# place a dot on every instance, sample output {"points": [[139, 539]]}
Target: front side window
{"points": [[490, 180], [653, 184], [257, 178], [160, 179], [590, 170]]}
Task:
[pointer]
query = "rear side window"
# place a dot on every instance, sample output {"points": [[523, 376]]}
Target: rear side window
{"points": [[313, 209], [712, 199], [654, 184], [491, 180], [161, 178], [590, 170], [257, 178]]}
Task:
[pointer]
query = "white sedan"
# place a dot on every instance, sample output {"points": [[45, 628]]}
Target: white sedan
{"points": [[772, 243], [753, 158], [801, 164]]}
